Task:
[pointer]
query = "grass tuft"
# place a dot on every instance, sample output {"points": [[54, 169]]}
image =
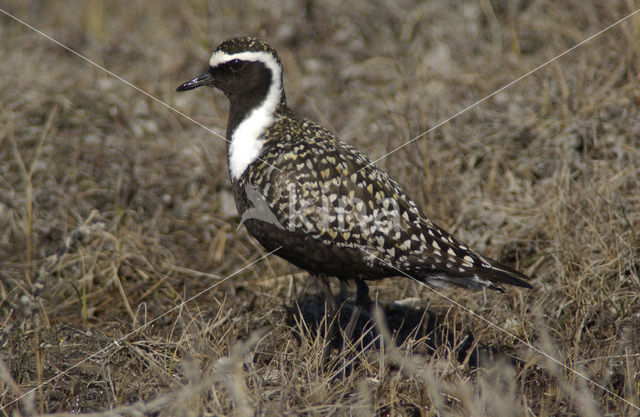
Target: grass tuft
{"points": [[114, 209]]}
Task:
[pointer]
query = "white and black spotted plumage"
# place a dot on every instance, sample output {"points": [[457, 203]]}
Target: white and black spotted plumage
{"points": [[338, 214]]}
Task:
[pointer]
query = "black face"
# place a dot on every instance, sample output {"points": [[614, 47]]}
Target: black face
{"points": [[245, 83], [242, 79], [246, 80]]}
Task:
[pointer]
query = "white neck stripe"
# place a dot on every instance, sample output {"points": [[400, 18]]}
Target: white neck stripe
{"points": [[246, 142]]}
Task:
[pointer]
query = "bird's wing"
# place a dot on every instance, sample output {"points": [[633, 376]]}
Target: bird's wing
{"points": [[331, 191]]}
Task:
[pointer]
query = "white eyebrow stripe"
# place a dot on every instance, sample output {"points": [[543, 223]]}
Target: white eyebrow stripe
{"points": [[220, 57], [246, 140]]}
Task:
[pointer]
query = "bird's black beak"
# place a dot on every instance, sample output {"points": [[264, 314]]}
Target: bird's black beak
{"points": [[206, 78]]}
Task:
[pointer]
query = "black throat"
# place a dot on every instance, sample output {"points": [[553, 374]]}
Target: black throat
{"points": [[250, 93]]}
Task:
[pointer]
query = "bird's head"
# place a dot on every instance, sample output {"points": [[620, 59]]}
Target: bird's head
{"points": [[242, 68]]}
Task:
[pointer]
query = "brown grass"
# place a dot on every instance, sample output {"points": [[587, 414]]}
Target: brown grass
{"points": [[114, 210]]}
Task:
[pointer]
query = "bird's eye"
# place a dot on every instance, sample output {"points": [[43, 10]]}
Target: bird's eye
{"points": [[236, 65]]}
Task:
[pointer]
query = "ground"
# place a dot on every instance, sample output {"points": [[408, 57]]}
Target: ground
{"points": [[127, 290]]}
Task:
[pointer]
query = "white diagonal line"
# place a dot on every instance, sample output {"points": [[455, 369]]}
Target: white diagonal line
{"points": [[503, 88], [79, 55], [535, 349], [95, 64], [116, 343]]}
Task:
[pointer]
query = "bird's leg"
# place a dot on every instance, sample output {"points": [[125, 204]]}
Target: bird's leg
{"points": [[343, 291], [330, 310], [362, 293], [330, 307], [362, 301]]}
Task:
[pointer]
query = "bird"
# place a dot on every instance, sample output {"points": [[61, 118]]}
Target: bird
{"points": [[334, 212]]}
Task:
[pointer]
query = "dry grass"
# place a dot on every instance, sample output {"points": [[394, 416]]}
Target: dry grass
{"points": [[114, 209]]}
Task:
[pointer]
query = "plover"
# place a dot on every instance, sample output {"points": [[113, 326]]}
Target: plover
{"points": [[331, 211]]}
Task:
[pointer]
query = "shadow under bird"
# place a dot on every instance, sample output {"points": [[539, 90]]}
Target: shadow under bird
{"points": [[330, 210]]}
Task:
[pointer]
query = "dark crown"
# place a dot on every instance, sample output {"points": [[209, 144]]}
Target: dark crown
{"points": [[246, 44]]}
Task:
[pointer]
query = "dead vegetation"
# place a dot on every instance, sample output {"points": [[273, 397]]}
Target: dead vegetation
{"points": [[126, 289]]}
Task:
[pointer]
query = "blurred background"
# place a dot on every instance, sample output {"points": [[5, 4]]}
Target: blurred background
{"points": [[115, 208]]}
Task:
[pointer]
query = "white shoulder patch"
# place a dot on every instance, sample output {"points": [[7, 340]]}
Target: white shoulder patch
{"points": [[246, 140]]}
